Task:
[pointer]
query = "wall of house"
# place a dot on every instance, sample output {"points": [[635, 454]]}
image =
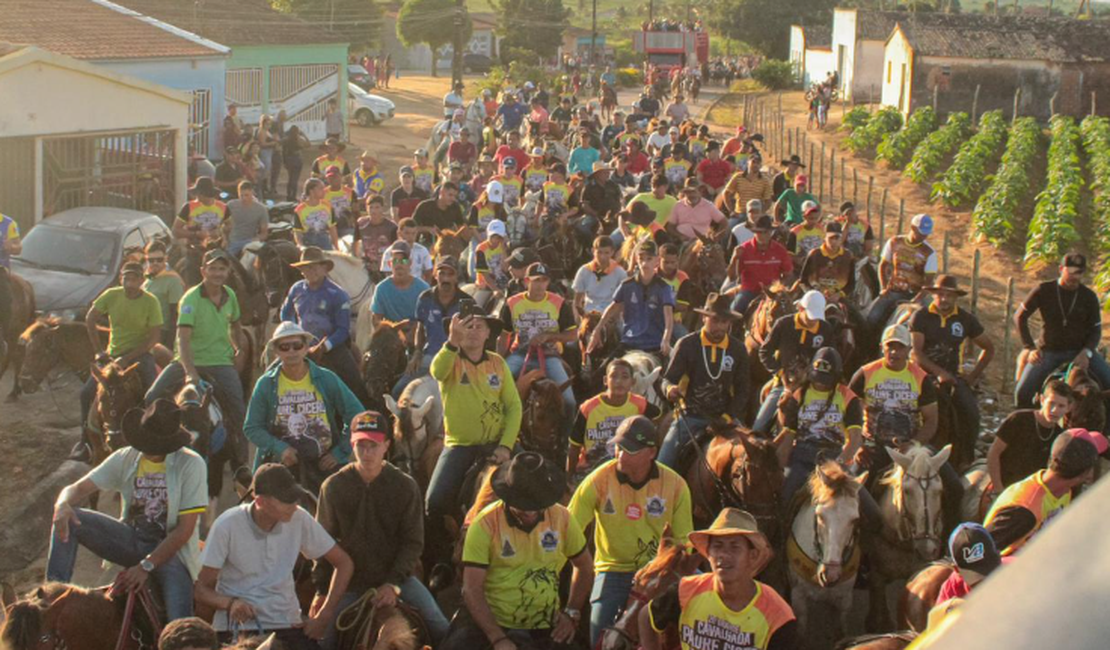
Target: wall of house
{"points": [[897, 72], [844, 49], [819, 62], [798, 52], [208, 74], [867, 77]]}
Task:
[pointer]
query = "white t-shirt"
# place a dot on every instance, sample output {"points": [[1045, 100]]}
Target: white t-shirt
{"points": [[599, 291], [451, 101], [256, 566], [421, 260], [658, 141], [741, 233]]}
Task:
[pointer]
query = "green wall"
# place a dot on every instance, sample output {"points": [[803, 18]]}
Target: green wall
{"points": [[265, 56]]}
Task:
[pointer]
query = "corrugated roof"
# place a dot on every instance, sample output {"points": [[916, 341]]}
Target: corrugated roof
{"points": [[979, 36], [818, 36], [877, 25], [237, 22], [88, 30]]}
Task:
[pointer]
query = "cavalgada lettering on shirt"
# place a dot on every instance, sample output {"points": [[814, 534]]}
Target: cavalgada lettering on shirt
{"points": [[716, 634], [149, 501], [302, 419]]}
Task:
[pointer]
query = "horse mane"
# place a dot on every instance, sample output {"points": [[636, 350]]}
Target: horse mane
{"points": [[23, 620], [665, 558], [834, 483], [589, 323], [388, 326], [395, 633]]}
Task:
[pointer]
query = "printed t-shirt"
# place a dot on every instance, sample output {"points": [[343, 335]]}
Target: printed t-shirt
{"points": [[704, 621], [405, 202], [513, 189], [367, 183], [168, 288], [423, 177], [644, 320], [676, 171], [595, 425], [421, 260], [522, 578], [209, 217], [535, 177], [1031, 495], [945, 334], [302, 416], [855, 235], [397, 304], [910, 262], [211, 342], [147, 511], [487, 265], [130, 320], [315, 220], [526, 318], [555, 195], [9, 231], [340, 200], [434, 315], [804, 238], [630, 519], [376, 237], [819, 420], [480, 401], [892, 399], [321, 164]]}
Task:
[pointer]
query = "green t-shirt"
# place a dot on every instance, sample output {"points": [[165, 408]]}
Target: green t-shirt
{"points": [[211, 342], [168, 288], [794, 203], [662, 207], [130, 320]]}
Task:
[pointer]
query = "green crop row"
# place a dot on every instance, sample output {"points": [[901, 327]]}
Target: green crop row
{"points": [[994, 215], [895, 149], [855, 118], [886, 120], [1052, 230], [928, 155], [965, 176], [1096, 142]]}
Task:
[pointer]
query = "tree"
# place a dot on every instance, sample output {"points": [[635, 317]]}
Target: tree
{"points": [[765, 24], [534, 26], [431, 22], [358, 21]]}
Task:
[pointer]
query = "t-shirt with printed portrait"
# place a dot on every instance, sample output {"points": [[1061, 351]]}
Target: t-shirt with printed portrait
{"points": [[147, 512], [302, 417]]}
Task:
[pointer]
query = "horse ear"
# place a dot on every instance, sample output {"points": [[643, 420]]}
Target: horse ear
{"points": [[653, 376], [823, 476], [668, 533], [900, 459], [939, 459], [391, 404], [7, 595], [420, 411]]}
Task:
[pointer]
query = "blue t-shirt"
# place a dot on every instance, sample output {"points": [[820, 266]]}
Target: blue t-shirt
{"points": [[397, 304], [643, 312], [512, 114], [434, 317], [582, 159], [325, 312]]}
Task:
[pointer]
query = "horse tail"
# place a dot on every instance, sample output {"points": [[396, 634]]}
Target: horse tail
{"points": [[22, 627]]}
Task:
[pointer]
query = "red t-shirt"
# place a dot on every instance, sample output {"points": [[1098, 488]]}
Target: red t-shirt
{"points": [[956, 587], [638, 163], [715, 173], [519, 155], [760, 269], [733, 145], [463, 152]]}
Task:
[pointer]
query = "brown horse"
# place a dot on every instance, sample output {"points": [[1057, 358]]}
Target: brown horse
{"points": [[23, 314], [920, 595], [671, 563], [543, 419], [589, 379], [777, 301], [738, 469], [384, 361], [60, 616], [49, 343], [452, 242], [118, 390]]}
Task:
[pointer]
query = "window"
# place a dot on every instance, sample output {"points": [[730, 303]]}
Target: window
{"points": [[133, 242], [889, 70], [946, 70]]}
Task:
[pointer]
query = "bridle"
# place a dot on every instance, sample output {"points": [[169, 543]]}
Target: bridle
{"points": [[819, 550], [906, 522]]}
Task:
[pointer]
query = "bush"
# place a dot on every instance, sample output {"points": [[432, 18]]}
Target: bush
{"points": [[630, 77], [775, 75], [520, 72]]}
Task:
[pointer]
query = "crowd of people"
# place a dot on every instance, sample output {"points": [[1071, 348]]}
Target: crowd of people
{"points": [[638, 192]]}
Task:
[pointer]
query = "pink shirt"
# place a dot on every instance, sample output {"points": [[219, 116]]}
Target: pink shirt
{"points": [[694, 221]]}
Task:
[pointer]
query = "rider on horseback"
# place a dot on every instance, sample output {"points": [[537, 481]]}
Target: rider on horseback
{"points": [[646, 303], [10, 244], [908, 263], [757, 264], [204, 217], [597, 281]]}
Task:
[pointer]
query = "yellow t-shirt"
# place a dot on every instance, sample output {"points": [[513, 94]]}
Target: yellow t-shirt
{"points": [[630, 520], [555, 195], [522, 579], [314, 218], [302, 417], [602, 420], [706, 622], [340, 199], [1033, 495], [424, 177], [534, 178]]}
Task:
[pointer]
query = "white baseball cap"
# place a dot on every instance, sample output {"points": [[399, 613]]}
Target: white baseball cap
{"points": [[809, 206], [899, 334], [813, 303], [496, 227], [495, 192]]}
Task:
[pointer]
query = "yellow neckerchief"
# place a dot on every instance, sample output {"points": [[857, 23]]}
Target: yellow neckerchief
{"points": [[812, 329], [713, 347], [943, 317], [831, 256]]}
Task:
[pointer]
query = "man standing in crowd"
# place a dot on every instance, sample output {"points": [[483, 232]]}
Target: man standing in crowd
{"points": [[249, 219], [1024, 440]]}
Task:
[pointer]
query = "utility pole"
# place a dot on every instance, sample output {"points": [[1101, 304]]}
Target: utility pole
{"points": [[593, 36], [457, 55], [651, 11]]}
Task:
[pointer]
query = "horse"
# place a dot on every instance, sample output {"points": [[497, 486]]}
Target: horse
{"points": [[118, 390], [646, 373], [22, 316], [893, 641], [823, 552], [272, 264], [417, 428], [920, 595], [350, 274], [912, 532], [671, 563], [561, 249], [543, 423], [588, 381], [202, 419], [737, 468], [48, 343], [58, 616], [384, 361], [703, 260], [451, 243]]}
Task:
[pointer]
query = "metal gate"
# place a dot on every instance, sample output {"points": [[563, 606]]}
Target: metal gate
{"points": [[244, 89], [17, 180], [200, 121], [303, 91], [133, 169]]}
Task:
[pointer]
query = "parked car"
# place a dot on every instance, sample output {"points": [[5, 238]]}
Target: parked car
{"points": [[367, 109], [477, 63], [358, 75], [71, 257]]}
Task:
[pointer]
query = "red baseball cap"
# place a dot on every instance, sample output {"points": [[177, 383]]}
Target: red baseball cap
{"points": [[1094, 437], [370, 425]]}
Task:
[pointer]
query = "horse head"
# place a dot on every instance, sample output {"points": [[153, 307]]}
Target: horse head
{"points": [[57, 615], [41, 352], [1089, 408], [776, 301], [273, 268], [755, 475], [118, 391], [451, 242], [914, 488], [835, 497], [200, 417], [543, 419], [384, 361], [706, 263], [411, 421]]}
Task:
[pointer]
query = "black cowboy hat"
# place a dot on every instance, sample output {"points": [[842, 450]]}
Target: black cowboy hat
{"points": [[717, 304], [333, 141], [314, 255], [204, 186], [945, 282], [639, 213], [794, 160], [529, 482], [155, 431], [470, 308]]}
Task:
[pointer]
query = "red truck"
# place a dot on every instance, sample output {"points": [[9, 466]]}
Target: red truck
{"points": [[672, 49]]}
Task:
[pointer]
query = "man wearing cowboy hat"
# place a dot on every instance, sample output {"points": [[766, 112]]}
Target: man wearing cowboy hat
{"points": [[331, 149], [757, 264], [164, 488], [939, 334], [323, 309], [727, 603], [631, 498], [204, 217], [208, 336], [376, 514], [481, 415], [600, 198], [514, 553], [716, 365], [299, 411], [249, 556], [784, 180], [908, 263]]}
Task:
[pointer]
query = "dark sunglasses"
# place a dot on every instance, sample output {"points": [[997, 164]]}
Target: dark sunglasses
{"points": [[295, 346]]}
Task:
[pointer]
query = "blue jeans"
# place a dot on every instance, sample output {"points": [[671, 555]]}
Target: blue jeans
{"points": [[607, 600], [229, 394], [678, 436], [803, 460], [768, 410], [881, 308], [406, 379], [1034, 374], [147, 372], [743, 300], [553, 368], [414, 593], [112, 540], [618, 239], [443, 493]]}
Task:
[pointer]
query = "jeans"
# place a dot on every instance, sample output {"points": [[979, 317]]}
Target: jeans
{"points": [[267, 158], [618, 239], [147, 373], [229, 394], [341, 361], [293, 167], [967, 413], [1035, 374], [679, 331], [278, 162], [881, 308], [443, 493], [743, 300], [468, 636], [803, 460], [413, 593], [607, 600], [553, 368], [768, 410], [112, 540], [678, 436], [406, 379]]}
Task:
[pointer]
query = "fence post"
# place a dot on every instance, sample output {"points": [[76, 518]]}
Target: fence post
{"points": [[809, 162], [855, 186], [975, 103], [901, 215], [802, 148], [798, 144], [843, 181], [1094, 100], [821, 175], [1052, 104], [936, 89], [944, 254], [882, 218], [832, 174], [1017, 100], [789, 143], [975, 285], [870, 185], [1006, 356], [782, 127]]}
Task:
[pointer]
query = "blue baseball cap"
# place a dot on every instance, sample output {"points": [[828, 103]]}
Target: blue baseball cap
{"points": [[923, 223]]}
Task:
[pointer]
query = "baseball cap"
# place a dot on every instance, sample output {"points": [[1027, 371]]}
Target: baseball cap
{"points": [[922, 223], [973, 549], [1074, 452], [635, 434], [370, 425], [898, 334], [131, 267], [333, 170], [509, 161], [827, 366], [496, 227], [421, 152], [495, 192], [809, 206], [537, 269], [447, 262], [400, 247], [405, 170], [275, 480], [755, 204], [1075, 260], [216, 255], [801, 179], [537, 151], [813, 303]]}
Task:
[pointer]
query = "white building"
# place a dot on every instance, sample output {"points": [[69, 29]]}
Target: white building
{"points": [[858, 47], [811, 53]]}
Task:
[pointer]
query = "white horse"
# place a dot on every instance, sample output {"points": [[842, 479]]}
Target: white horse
{"points": [[823, 553], [350, 274], [646, 370], [418, 432]]}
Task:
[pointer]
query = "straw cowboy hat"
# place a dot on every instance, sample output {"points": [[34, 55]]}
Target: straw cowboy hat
{"points": [[314, 255], [734, 521]]}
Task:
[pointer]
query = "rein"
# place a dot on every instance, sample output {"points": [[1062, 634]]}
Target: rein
{"points": [[723, 492], [125, 633], [906, 522]]}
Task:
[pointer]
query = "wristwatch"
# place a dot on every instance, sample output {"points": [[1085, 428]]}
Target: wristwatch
{"points": [[146, 565], [574, 614], [1089, 353]]}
